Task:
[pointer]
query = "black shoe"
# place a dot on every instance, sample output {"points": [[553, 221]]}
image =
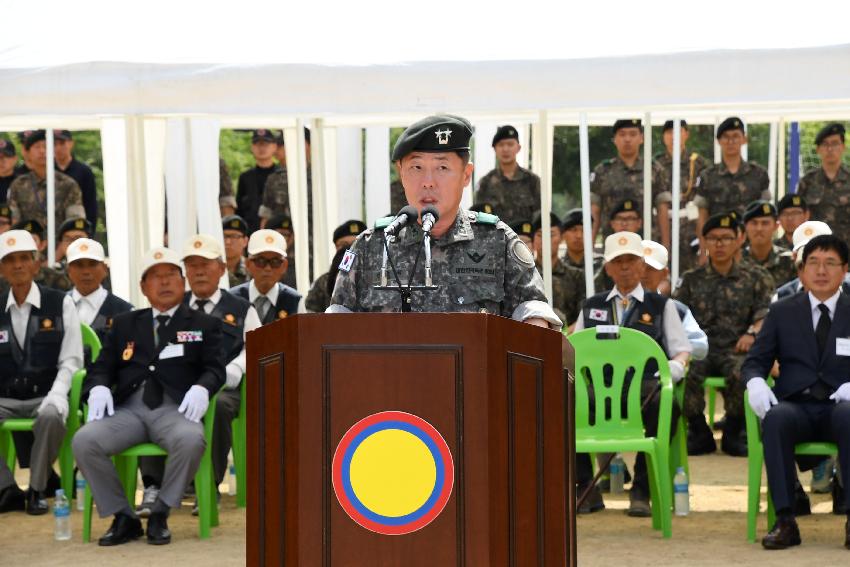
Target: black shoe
{"points": [[36, 503], [12, 499], [802, 506], [158, 533], [847, 534], [839, 504], [700, 437], [734, 441], [638, 504], [593, 502], [54, 483], [784, 534], [123, 529]]}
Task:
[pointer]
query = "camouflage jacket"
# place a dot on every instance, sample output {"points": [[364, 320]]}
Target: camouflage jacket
{"points": [[239, 275], [720, 191], [53, 277], [28, 199], [828, 200], [725, 306], [691, 165], [779, 263], [567, 290], [276, 195], [783, 243], [226, 197], [478, 265], [317, 298], [613, 181], [513, 200]]}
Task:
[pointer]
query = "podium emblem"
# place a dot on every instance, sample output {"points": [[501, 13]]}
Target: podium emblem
{"points": [[393, 473]]}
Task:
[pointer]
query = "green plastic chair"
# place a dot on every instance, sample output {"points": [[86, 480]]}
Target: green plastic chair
{"points": [[616, 432], [72, 424], [755, 461], [127, 464], [712, 384], [239, 445], [679, 443]]}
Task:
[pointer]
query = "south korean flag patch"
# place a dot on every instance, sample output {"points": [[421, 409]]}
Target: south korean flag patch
{"points": [[347, 261], [4, 336], [598, 315]]}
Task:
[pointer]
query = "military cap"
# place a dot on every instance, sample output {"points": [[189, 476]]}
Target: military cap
{"points": [[234, 222], [349, 228], [523, 228], [626, 123], [482, 208], [24, 134], [31, 226], [731, 123], [279, 222], [630, 205], [5, 211], [720, 220], [572, 218], [33, 137], [62, 135], [7, 148], [262, 135], [75, 224], [506, 132], [537, 221], [438, 133], [830, 130], [791, 200], [669, 125], [758, 209]]}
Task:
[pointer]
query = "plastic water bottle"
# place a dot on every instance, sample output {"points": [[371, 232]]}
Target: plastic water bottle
{"points": [[231, 480], [618, 467], [81, 493], [681, 499], [62, 515]]}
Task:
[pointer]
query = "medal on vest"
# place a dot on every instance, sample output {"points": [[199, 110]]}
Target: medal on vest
{"points": [[128, 351], [46, 324], [282, 314], [646, 318], [230, 319]]}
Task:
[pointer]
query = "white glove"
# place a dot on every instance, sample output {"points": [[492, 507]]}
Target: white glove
{"points": [[761, 396], [58, 401], [842, 394], [100, 403], [195, 403], [677, 371]]}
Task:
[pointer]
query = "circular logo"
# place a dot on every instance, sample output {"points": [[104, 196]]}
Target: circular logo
{"points": [[198, 244], [10, 242], [84, 247], [808, 232], [269, 239], [157, 256], [647, 251], [622, 241], [393, 473]]}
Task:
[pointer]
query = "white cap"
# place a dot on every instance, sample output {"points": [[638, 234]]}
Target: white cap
{"points": [[621, 243], [654, 254], [266, 240], [85, 248], [16, 241], [807, 231], [203, 245], [160, 255]]}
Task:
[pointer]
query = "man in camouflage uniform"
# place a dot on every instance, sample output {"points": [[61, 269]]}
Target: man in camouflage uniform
{"points": [[28, 193], [567, 281], [8, 160], [690, 166], [46, 276], [283, 225], [733, 183], [827, 189], [319, 297], [621, 177], [226, 198], [523, 231], [235, 231], [760, 225], [573, 236], [512, 191], [793, 211], [478, 263], [729, 299]]}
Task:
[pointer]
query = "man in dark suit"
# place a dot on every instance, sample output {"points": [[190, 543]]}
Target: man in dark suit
{"points": [[267, 263], [807, 334], [152, 383]]}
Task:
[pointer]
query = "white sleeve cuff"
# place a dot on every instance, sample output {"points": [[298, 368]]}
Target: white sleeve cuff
{"points": [[337, 308], [536, 308]]}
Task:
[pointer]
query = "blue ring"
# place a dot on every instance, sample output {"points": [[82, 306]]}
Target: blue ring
{"points": [[346, 473]]}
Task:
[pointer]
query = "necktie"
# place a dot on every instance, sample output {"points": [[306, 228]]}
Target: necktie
{"points": [[201, 304], [152, 396], [262, 305], [822, 329]]}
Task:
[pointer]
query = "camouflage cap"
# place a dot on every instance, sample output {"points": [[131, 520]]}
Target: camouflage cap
{"points": [[349, 228], [626, 123], [7, 148], [720, 220], [234, 222], [758, 209], [834, 129], [668, 125], [75, 224], [506, 132], [572, 218], [31, 226], [262, 135], [278, 222], [523, 228], [731, 123], [537, 221], [792, 200], [438, 133]]}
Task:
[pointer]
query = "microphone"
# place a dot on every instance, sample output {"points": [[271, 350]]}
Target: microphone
{"points": [[405, 215], [430, 216]]}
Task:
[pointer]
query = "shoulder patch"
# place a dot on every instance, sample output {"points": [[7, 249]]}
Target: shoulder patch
{"points": [[383, 222], [486, 218], [522, 254]]}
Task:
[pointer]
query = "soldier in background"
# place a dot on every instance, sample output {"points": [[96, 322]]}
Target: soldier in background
{"points": [[235, 231], [760, 225], [69, 231], [512, 191], [63, 152], [251, 186], [319, 297], [827, 188], [283, 225], [525, 233], [26, 165], [8, 160], [573, 235], [793, 211], [275, 200], [46, 276], [625, 217], [226, 199], [567, 281], [5, 218]]}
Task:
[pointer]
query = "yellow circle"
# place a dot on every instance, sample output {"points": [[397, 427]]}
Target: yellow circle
{"points": [[393, 473]]}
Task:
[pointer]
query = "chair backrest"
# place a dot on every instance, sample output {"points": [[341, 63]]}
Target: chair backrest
{"points": [[611, 365], [90, 340]]}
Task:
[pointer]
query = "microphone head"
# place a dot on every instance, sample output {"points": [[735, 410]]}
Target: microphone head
{"points": [[410, 211], [431, 210]]}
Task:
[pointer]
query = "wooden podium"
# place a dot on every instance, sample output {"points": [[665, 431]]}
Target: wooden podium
{"points": [[493, 389]]}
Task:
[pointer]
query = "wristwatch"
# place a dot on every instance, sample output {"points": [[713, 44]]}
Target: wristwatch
{"points": [[751, 331]]}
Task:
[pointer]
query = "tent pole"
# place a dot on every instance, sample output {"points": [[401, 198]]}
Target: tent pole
{"points": [[647, 176], [675, 205], [584, 160], [542, 159], [780, 161], [51, 198], [771, 158]]}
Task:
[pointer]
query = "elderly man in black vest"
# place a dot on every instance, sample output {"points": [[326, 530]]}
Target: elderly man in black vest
{"points": [[40, 349], [629, 305]]}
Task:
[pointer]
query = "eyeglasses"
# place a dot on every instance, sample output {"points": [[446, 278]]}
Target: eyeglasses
{"points": [[725, 240], [828, 264], [274, 263], [626, 219], [832, 145], [233, 236]]}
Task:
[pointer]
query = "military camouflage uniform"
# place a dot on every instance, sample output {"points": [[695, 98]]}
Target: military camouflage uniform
{"points": [[691, 165], [52, 277], [828, 200], [239, 275], [479, 265], [613, 181], [28, 199], [276, 195], [725, 307], [720, 191], [513, 199], [317, 298], [779, 263], [782, 243], [226, 198], [567, 290]]}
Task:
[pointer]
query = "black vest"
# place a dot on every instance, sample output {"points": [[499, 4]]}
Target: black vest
{"points": [[287, 301], [29, 372], [231, 310], [112, 306]]}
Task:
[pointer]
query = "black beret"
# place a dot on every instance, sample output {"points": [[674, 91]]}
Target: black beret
{"points": [[23, 135], [62, 135], [262, 135], [506, 132], [572, 218], [791, 200], [669, 125], [523, 228], [537, 221], [720, 220], [5, 211], [349, 228], [234, 222], [482, 208], [758, 209], [7, 148], [830, 130], [731, 123], [31, 226], [626, 123], [75, 224], [33, 137], [626, 205], [279, 221], [439, 133]]}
